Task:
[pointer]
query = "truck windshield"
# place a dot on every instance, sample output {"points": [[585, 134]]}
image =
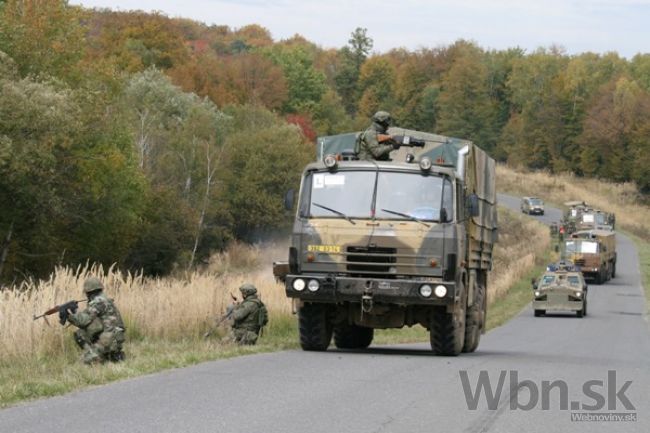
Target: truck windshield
{"points": [[352, 193], [536, 202], [578, 246]]}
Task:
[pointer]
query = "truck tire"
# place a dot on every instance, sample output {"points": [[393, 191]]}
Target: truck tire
{"points": [[475, 321], [580, 313], [352, 336], [539, 313], [447, 332], [614, 270], [314, 327]]}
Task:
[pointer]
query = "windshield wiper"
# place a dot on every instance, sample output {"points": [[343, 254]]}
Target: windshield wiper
{"points": [[405, 215], [334, 211]]}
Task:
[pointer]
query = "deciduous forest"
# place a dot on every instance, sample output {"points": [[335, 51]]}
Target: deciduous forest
{"points": [[149, 141]]}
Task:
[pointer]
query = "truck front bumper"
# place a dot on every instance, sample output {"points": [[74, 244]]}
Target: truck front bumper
{"points": [[336, 289]]}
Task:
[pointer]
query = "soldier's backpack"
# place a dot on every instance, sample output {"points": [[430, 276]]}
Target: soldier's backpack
{"points": [[262, 316]]}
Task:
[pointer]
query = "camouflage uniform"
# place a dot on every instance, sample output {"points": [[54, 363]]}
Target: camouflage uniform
{"points": [[368, 146], [101, 329], [246, 321]]}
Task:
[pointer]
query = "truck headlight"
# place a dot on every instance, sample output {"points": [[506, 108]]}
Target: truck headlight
{"points": [[440, 291], [537, 293], [578, 294], [298, 284], [426, 290], [313, 285]]}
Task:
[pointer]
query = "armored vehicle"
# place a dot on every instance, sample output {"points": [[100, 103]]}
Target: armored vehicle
{"points": [[594, 251], [388, 244], [561, 288], [532, 206]]}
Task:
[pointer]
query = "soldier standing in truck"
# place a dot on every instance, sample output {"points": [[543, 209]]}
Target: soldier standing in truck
{"points": [[374, 143]]}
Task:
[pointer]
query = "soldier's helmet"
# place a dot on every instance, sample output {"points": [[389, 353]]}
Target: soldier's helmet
{"points": [[92, 284], [383, 118], [247, 290]]}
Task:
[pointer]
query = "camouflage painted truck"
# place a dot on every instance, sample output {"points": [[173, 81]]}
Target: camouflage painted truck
{"points": [[390, 244], [594, 251]]}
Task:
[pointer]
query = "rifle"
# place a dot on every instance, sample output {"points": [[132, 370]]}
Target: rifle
{"points": [[68, 306], [223, 318], [400, 140]]}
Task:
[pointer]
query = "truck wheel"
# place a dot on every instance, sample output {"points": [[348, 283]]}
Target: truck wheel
{"points": [[447, 332], [598, 279], [539, 313], [474, 321], [580, 313], [614, 270], [584, 308], [315, 327], [352, 336]]}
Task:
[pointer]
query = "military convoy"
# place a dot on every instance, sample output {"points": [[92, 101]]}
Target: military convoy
{"points": [[388, 244], [587, 244]]}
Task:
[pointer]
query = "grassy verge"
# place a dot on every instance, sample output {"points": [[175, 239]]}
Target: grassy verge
{"points": [[32, 377]]}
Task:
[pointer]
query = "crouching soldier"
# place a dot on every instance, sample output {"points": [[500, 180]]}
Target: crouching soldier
{"points": [[248, 316], [101, 329]]}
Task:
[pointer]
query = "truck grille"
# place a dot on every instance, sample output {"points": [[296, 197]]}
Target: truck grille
{"points": [[370, 260]]}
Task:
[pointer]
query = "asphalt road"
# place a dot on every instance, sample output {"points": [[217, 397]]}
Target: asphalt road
{"points": [[390, 389]]}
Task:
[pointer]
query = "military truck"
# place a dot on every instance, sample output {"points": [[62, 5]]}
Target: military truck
{"points": [[388, 244], [573, 212], [594, 251], [591, 219], [561, 288]]}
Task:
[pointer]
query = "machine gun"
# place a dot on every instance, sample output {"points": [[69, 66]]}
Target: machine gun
{"points": [[400, 140], [62, 309]]}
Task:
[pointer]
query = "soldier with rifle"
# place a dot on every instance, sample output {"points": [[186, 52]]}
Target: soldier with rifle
{"points": [[101, 329], [249, 317]]}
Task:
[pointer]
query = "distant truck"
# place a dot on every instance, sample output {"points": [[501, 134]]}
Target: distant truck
{"points": [[594, 251], [388, 244], [532, 206]]}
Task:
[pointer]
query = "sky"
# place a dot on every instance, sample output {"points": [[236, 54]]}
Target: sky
{"points": [[576, 25]]}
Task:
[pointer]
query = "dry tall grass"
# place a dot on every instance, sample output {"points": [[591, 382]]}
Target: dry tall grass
{"points": [[522, 243], [158, 308], [621, 198]]}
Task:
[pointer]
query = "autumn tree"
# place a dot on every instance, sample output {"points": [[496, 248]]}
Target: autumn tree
{"points": [[351, 59], [465, 106], [615, 130], [376, 83], [43, 37]]}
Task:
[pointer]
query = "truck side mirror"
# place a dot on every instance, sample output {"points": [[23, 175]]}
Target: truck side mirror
{"points": [[473, 205], [533, 282], [289, 199]]}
